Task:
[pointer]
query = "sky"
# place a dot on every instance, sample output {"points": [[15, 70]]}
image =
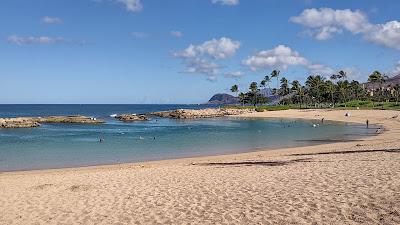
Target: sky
{"points": [[184, 51]]}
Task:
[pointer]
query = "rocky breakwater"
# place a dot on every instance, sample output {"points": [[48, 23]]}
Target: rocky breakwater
{"points": [[200, 113], [27, 122], [18, 123], [132, 117]]}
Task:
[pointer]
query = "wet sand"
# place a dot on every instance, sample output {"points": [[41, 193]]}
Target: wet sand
{"points": [[356, 182]]}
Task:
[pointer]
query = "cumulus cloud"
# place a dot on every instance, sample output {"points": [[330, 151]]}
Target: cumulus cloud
{"points": [[235, 74], [324, 23], [217, 48], [197, 65], [51, 20], [324, 33], [278, 57], [282, 57], [175, 33], [354, 21], [387, 34], [202, 58], [320, 69], [226, 2], [40, 40]]}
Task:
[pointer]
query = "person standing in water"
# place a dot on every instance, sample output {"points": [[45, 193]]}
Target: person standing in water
{"points": [[367, 122]]}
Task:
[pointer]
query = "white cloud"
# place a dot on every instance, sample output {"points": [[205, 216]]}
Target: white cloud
{"points": [[320, 69], [325, 33], [197, 65], [278, 57], [226, 2], [324, 23], [201, 59], [177, 34], [282, 57], [51, 20], [132, 5], [387, 34], [235, 74], [41, 40], [139, 34], [217, 48], [202, 66], [354, 21]]}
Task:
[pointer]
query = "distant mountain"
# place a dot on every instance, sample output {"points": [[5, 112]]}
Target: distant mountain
{"points": [[389, 82], [223, 99]]}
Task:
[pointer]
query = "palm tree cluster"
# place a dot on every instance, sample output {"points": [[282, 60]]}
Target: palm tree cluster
{"points": [[318, 91]]}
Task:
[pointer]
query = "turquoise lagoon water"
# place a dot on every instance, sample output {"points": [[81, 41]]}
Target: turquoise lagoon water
{"points": [[66, 145]]}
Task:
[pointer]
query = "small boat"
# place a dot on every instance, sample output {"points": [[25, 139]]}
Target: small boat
{"points": [[113, 115]]}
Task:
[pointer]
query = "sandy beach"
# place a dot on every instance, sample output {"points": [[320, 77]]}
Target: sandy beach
{"points": [[355, 182]]}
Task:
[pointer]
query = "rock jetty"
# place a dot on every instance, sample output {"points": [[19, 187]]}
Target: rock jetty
{"points": [[67, 119], [18, 123], [132, 117], [201, 113], [27, 122]]}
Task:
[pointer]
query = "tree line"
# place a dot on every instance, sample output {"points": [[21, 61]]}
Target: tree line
{"points": [[317, 90]]}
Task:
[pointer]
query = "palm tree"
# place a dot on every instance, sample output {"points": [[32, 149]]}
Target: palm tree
{"points": [[356, 89], [377, 77], [296, 86], [242, 98], [334, 77], [275, 73], [284, 89], [343, 87], [267, 80], [330, 87], [342, 75], [254, 90], [397, 93], [235, 89], [315, 84]]}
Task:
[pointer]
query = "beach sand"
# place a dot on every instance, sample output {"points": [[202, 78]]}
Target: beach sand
{"points": [[354, 182]]}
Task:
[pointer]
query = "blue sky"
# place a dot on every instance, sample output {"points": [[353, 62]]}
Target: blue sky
{"points": [[184, 51]]}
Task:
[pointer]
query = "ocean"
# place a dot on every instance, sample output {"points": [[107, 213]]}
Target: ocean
{"points": [[73, 145]]}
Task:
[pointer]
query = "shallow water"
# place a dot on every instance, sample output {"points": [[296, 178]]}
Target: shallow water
{"points": [[66, 145]]}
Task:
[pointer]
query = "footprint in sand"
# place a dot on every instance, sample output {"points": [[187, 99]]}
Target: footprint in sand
{"points": [[42, 186], [82, 187]]}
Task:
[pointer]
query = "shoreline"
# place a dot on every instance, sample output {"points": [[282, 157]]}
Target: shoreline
{"points": [[253, 115], [355, 182]]}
